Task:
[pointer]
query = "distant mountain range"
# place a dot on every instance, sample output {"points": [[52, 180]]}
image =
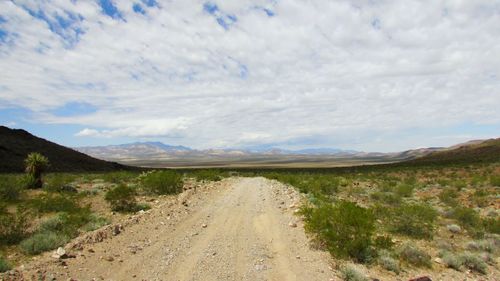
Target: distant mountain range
{"points": [[16, 144], [157, 151]]}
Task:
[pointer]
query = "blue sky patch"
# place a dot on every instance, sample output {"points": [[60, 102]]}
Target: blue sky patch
{"points": [[65, 26], [138, 9], [376, 24], [74, 109], [210, 8], [3, 36], [2, 19], [223, 19], [150, 3], [110, 9]]}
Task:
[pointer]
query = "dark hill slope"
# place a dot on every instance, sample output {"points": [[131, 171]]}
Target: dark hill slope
{"points": [[16, 144], [487, 151]]}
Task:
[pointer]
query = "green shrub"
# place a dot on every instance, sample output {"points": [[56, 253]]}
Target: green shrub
{"points": [[122, 198], [50, 202], [383, 242], [449, 196], [13, 226], [414, 220], [414, 256], [43, 241], [345, 228], [469, 219], [208, 175], [4, 265], [386, 197], [474, 262], [351, 273], [57, 181], [405, 190], [495, 180], [10, 188], [163, 182], [491, 225], [118, 177]]}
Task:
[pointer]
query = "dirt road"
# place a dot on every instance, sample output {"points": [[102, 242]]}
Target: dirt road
{"points": [[242, 229]]}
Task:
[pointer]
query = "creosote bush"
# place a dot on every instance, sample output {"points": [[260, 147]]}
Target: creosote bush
{"points": [[162, 182], [414, 220], [208, 175], [4, 265], [13, 225], [10, 188], [345, 228], [122, 198]]}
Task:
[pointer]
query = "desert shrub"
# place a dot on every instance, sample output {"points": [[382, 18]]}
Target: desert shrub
{"points": [[449, 196], [495, 180], [386, 197], [451, 260], [50, 202], [351, 273], [57, 181], [95, 222], [13, 226], [43, 241], [386, 261], [405, 190], [208, 175], [163, 182], [4, 265], [453, 228], [469, 219], [345, 228], [383, 242], [122, 198], [414, 256], [486, 245], [10, 188], [491, 225], [119, 176], [459, 184], [414, 220], [474, 262]]}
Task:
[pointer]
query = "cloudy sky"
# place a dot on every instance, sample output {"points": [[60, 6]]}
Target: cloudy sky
{"points": [[370, 75]]}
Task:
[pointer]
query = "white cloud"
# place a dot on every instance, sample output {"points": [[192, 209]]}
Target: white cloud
{"points": [[325, 69]]}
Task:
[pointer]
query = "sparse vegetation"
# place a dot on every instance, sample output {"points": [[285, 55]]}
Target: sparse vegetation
{"points": [[414, 256], [351, 273], [43, 241]]}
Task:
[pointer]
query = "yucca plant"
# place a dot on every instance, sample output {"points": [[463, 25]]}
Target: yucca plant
{"points": [[36, 164]]}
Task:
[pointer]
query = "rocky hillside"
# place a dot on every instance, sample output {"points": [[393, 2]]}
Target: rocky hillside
{"points": [[486, 151], [16, 144]]}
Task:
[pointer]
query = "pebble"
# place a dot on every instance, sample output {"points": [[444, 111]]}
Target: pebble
{"points": [[204, 225], [292, 224]]}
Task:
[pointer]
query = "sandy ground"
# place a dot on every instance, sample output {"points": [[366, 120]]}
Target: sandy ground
{"points": [[237, 229]]}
